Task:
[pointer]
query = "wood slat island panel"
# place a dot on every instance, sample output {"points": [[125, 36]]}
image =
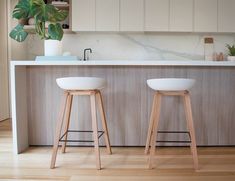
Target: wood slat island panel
{"points": [[127, 101]]}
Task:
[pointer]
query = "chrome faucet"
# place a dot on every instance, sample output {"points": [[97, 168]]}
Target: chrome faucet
{"points": [[85, 57]]}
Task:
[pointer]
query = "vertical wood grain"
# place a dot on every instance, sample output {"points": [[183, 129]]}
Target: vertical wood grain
{"points": [[128, 101]]}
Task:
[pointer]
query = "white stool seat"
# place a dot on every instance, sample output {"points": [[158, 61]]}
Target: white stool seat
{"points": [[170, 84], [80, 83]]}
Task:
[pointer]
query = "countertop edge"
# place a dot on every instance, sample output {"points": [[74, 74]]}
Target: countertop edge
{"points": [[125, 63]]}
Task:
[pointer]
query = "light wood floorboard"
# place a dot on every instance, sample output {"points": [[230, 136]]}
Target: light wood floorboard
{"points": [[125, 164]]}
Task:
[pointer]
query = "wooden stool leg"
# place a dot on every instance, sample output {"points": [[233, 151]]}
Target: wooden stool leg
{"points": [[150, 129], [67, 121], [153, 139], [95, 130], [104, 123], [189, 118], [58, 129]]}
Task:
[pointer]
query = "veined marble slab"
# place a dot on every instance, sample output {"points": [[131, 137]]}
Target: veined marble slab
{"points": [[135, 46]]}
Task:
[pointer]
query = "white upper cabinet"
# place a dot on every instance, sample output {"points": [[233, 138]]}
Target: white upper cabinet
{"points": [[83, 15], [153, 15], [181, 15], [132, 15], [157, 15], [205, 15], [226, 16], [107, 15]]}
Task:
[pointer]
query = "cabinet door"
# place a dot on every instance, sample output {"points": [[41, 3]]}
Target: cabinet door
{"points": [[226, 16], [181, 15], [83, 15], [132, 15], [107, 15], [157, 15], [205, 16]]}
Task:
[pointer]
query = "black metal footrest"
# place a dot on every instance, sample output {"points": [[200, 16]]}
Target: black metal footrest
{"points": [[100, 133], [175, 132]]}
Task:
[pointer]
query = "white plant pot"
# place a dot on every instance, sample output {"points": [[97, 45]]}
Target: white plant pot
{"points": [[231, 58], [52, 48]]}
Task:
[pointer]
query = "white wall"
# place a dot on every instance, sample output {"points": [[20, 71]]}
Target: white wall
{"points": [[4, 98], [136, 46], [18, 51]]}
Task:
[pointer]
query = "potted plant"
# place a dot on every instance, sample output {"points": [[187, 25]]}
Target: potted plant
{"points": [[231, 52], [47, 24]]}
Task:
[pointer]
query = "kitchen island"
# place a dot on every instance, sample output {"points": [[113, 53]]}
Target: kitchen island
{"points": [[127, 100]]}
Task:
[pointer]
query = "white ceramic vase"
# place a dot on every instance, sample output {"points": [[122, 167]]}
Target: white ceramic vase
{"points": [[52, 48], [231, 58]]}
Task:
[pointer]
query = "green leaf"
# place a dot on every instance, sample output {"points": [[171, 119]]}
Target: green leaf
{"points": [[38, 10], [55, 15], [40, 29], [55, 31], [18, 33], [22, 9], [47, 12], [231, 49], [42, 13]]}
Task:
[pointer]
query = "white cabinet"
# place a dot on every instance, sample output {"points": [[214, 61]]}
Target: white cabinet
{"points": [[132, 15], [154, 15], [107, 15], [181, 15], [205, 16], [226, 15], [157, 15], [83, 15]]}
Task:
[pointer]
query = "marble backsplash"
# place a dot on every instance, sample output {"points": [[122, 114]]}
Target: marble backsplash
{"points": [[136, 46]]}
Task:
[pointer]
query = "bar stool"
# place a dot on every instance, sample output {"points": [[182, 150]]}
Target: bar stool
{"points": [[170, 87], [80, 86]]}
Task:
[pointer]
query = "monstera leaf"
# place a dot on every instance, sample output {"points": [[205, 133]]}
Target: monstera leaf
{"points": [[22, 9], [18, 33], [40, 30], [42, 13], [55, 15], [48, 13], [55, 31]]}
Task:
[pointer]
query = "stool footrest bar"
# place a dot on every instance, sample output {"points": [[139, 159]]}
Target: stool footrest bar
{"points": [[186, 132], [173, 141], [175, 132], [79, 141]]}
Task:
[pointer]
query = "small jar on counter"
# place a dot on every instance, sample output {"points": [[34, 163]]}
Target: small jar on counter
{"points": [[218, 57]]}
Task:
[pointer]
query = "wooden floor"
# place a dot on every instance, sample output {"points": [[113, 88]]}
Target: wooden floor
{"points": [[217, 164]]}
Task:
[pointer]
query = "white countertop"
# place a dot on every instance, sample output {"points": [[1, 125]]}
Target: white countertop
{"points": [[202, 63]]}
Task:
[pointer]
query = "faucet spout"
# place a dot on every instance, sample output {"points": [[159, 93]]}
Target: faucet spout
{"points": [[85, 57]]}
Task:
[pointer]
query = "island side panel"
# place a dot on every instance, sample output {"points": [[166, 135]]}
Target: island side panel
{"points": [[19, 108], [128, 101]]}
